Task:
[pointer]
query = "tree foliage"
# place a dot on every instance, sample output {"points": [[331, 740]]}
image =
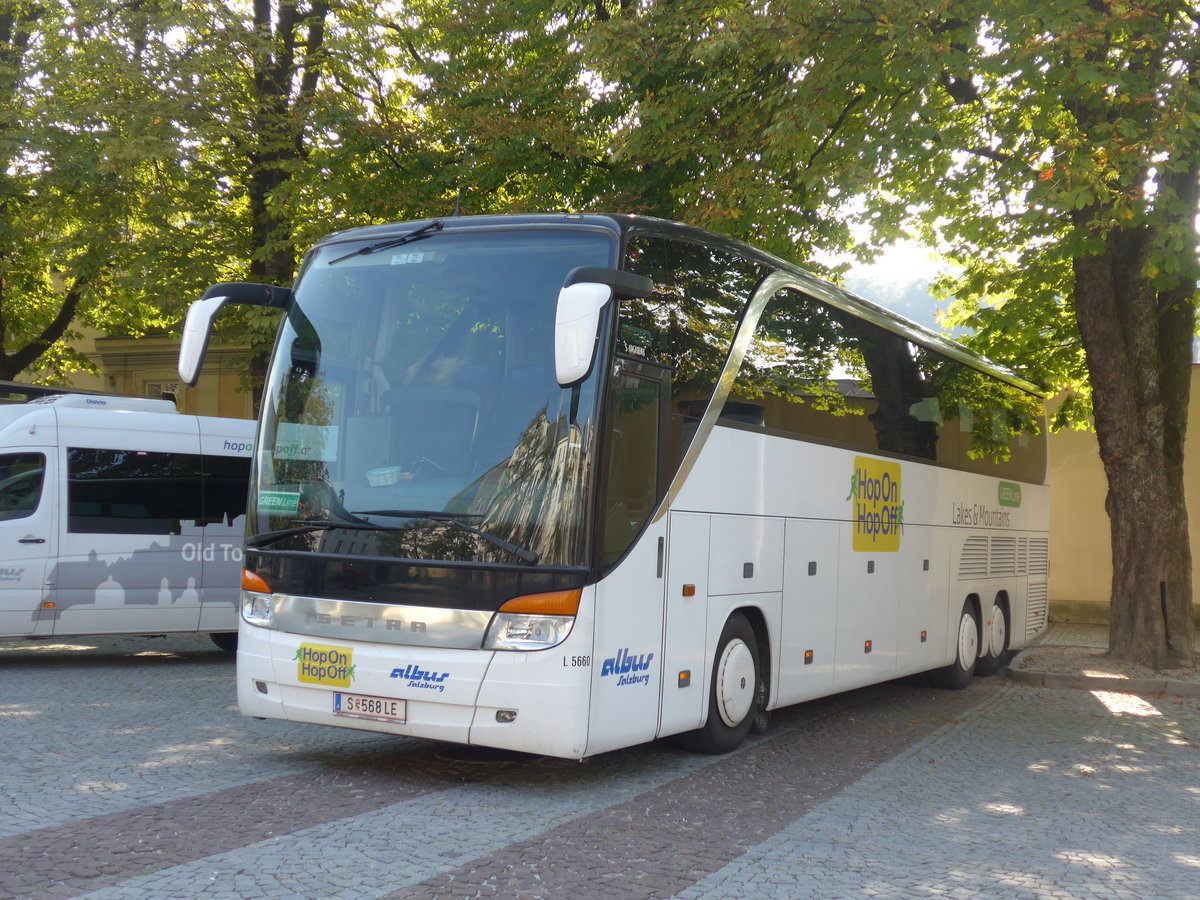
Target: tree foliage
{"points": [[1053, 146], [153, 147], [85, 144]]}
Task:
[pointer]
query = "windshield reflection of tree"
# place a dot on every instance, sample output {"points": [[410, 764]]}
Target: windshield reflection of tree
{"points": [[534, 498]]}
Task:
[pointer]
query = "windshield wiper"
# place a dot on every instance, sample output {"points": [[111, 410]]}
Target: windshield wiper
{"points": [[415, 235], [304, 526], [456, 520], [416, 514]]}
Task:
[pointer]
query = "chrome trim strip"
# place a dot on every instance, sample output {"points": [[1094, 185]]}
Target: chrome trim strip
{"points": [[766, 289], [414, 626]]}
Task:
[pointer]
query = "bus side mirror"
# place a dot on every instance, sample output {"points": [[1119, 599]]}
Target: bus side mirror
{"points": [[196, 329], [576, 325], [584, 295], [198, 325]]}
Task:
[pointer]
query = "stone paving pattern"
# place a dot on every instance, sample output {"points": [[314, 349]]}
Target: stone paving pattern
{"points": [[127, 772]]}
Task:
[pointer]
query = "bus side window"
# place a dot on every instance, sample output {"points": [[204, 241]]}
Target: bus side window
{"points": [[800, 371], [132, 491], [20, 484], [225, 484], [815, 371], [688, 324], [634, 455]]}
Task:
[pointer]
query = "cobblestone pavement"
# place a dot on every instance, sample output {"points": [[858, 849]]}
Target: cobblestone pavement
{"points": [[127, 772]]}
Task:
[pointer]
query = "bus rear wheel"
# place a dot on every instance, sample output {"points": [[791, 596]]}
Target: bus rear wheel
{"points": [[958, 674], [997, 654], [735, 691]]}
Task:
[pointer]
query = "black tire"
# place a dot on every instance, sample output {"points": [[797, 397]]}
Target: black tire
{"points": [[226, 640], [735, 693], [958, 674], [998, 635]]}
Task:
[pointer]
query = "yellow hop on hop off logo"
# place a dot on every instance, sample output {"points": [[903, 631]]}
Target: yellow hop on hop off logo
{"points": [[324, 664], [877, 507]]}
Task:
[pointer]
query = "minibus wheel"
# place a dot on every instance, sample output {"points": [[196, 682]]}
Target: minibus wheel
{"points": [[226, 640]]}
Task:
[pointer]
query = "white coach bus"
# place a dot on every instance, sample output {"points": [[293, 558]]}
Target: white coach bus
{"points": [[119, 515], [564, 484]]}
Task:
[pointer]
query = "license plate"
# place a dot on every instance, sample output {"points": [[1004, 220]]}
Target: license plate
{"points": [[361, 706]]}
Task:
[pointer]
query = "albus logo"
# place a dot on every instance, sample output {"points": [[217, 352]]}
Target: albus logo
{"points": [[627, 665], [419, 678]]}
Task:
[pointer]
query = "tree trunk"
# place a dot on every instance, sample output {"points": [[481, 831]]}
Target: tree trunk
{"points": [[287, 67], [13, 364], [1138, 346]]}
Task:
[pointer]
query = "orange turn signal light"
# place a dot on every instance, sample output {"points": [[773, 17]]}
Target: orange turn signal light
{"points": [[252, 581], [552, 603]]}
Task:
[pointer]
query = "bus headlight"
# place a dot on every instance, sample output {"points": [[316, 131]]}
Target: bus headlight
{"points": [[533, 622], [257, 609], [509, 632], [257, 606]]}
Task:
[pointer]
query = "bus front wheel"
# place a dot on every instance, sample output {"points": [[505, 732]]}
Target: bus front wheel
{"points": [[958, 674], [734, 691]]}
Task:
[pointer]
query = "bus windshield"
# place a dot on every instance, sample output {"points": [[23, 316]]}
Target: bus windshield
{"points": [[412, 409]]}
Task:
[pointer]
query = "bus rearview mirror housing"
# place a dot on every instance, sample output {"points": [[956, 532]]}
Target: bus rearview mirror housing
{"points": [[196, 329], [198, 325], [585, 293], [576, 325]]}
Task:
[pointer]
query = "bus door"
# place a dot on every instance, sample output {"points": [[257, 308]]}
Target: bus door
{"points": [[626, 696], [637, 455], [28, 539], [685, 638]]}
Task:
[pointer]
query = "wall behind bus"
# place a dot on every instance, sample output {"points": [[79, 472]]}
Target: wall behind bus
{"points": [[146, 367], [1080, 543]]}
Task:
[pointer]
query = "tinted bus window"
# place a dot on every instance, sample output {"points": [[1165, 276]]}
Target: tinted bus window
{"points": [[688, 324], [132, 491], [20, 484], [225, 481], [819, 372]]}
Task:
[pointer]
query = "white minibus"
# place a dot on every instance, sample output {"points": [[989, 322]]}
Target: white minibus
{"points": [[120, 515]]}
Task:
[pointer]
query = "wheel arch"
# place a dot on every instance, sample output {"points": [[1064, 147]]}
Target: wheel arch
{"points": [[758, 622]]}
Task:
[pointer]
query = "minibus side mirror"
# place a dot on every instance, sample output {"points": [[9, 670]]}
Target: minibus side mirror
{"points": [[198, 325], [585, 293]]}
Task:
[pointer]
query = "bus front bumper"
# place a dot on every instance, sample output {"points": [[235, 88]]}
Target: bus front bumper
{"points": [[529, 701]]}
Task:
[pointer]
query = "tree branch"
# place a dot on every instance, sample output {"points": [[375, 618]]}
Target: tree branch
{"points": [[29, 354], [833, 130]]}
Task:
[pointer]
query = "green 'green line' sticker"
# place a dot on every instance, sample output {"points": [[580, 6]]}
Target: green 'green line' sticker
{"points": [[1009, 494], [279, 502]]}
